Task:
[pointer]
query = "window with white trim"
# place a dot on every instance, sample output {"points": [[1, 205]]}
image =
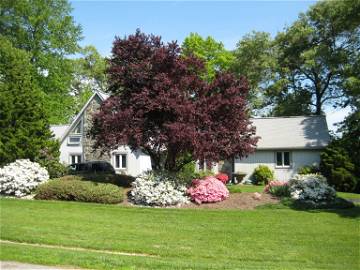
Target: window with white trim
{"points": [[120, 161], [74, 158], [283, 159], [74, 140]]}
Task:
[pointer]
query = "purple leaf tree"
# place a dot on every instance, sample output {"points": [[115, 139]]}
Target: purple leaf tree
{"points": [[160, 105]]}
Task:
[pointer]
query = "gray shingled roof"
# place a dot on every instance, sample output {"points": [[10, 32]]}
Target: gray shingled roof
{"points": [[58, 130], [299, 132]]}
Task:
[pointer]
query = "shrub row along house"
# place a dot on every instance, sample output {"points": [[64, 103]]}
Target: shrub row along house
{"points": [[285, 144]]}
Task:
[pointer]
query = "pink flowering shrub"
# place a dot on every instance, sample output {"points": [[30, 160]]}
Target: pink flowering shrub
{"points": [[224, 178], [207, 190]]}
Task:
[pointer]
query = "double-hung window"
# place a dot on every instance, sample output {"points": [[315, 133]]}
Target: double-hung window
{"points": [[120, 161], [74, 158], [283, 159]]}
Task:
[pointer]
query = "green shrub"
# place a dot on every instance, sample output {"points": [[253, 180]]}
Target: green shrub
{"points": [[120, 180], [187, 173], [202, 174], [337, 167], [49, 158], [308, 169], [262, 175], [337, 203], [78, 190], [280, 191]]}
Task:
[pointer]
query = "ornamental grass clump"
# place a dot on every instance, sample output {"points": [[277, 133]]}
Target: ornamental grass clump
{"points": [[208, 190], [21, 177], [158, 189], [311, 187]]}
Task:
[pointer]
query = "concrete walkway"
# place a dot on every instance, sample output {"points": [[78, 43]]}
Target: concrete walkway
{"points": [[6, 265]]}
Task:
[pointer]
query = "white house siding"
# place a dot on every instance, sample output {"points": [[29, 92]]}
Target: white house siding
{"points": [[66, 150], [299, 158], [137, 162]]}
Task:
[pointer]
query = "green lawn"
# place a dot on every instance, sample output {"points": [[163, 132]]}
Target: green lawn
{"points": [[347, 195], [181, 238], [260, 188], [245, 188]]}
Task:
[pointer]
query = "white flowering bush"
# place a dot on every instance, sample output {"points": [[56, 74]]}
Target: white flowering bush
{"points": [[21, 177], [157, 190], [311, 187]]}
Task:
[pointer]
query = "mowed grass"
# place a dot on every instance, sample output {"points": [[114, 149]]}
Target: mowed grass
{"points": [[180, 238], [260, 188], [245, 188]]}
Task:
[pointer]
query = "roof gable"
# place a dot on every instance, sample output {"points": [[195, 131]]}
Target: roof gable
{"points": [[102, 96]]}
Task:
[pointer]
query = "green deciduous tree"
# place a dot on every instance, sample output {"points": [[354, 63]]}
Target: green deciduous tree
{"points": [[213, 53], [317, 55], [255, 58], [24, 128], [47, 31], [89, 75]]}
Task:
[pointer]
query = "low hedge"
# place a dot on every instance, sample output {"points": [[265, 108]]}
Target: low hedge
{"points": [[79, 190], [120, 180]]}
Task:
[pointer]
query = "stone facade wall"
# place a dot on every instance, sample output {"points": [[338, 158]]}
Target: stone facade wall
{"points": [[88, 151]]}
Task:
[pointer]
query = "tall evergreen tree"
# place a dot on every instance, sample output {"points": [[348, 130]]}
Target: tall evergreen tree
{"points": [[24, 128]]}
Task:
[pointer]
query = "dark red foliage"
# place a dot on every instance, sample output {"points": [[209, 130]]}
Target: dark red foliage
{"points": [[160, 105]]}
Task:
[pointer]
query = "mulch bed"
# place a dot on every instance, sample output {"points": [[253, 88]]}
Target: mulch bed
{"points": [[237, 201]]}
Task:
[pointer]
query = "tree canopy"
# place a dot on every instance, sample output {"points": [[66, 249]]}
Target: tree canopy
{"points": [[211, 52], [160, 105], [255, 58], [317, 54], [89, 75], [46, 30]]}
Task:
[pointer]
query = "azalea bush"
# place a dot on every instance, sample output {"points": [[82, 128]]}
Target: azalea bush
{"points": [[157, 189], [311, 187], [208, 190], [21, 177], [278, 188], [223, 177]]}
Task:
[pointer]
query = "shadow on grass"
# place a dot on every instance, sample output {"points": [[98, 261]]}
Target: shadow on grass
{"points": [[341, 207]]}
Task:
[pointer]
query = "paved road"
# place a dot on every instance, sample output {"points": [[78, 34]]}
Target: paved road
{"points": [[25, 266]]}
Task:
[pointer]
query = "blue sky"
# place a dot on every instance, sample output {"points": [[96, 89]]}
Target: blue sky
{"points": [[226, 21]]}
